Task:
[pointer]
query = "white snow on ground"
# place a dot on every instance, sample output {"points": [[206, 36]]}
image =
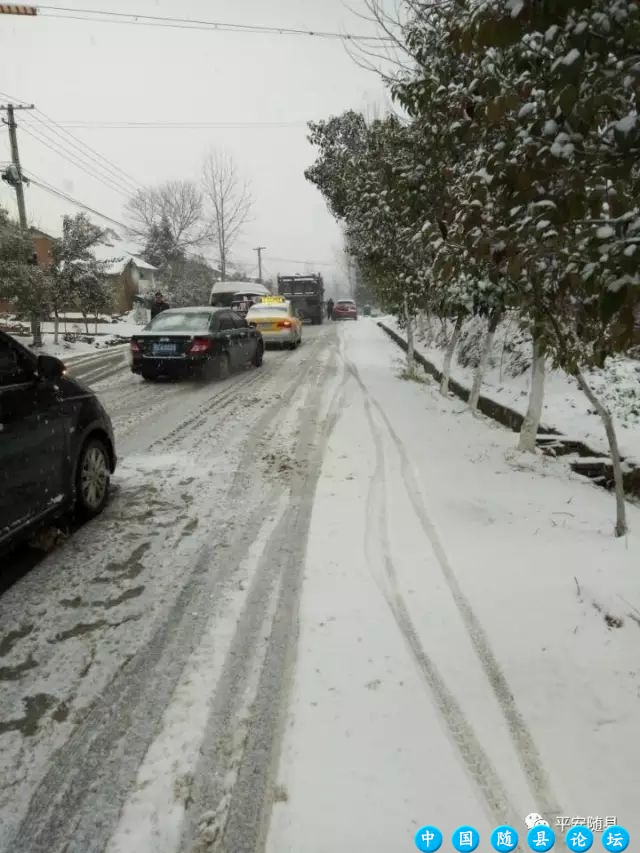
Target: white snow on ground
{"points": [[565, 406], [125, 327], [440, 563], [151, 820], [66, 349]]}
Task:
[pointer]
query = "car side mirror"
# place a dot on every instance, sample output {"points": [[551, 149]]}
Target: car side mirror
{"points": [[50, 368]]}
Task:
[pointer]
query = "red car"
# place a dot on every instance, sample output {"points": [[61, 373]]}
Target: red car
{"points": [[345, 309]]}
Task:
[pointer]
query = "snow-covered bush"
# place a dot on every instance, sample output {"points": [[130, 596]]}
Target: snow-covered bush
{"points": [[513, 348], [470, 345], [618, 386]]}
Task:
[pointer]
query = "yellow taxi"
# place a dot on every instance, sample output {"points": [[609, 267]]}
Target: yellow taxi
{"points": [[277, 320]]}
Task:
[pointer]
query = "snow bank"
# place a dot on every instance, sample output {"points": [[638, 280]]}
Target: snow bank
{"points": [[566, 408]]}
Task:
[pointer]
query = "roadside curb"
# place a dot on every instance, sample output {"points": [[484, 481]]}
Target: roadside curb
{"points": [[593, 464]]}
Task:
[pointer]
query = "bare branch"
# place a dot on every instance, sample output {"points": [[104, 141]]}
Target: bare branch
{"points": [[180, 203], [229, 201]]}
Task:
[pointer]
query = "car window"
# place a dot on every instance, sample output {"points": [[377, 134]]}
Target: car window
{"points": [[267, 309], [15, 367], [187, 321]]}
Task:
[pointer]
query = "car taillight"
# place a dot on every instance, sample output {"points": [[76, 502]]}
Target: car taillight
{"points": [[284, 324], [199, 346], [135, 346]]}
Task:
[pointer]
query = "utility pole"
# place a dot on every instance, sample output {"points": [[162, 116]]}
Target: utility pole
{"points": [[260, 250], [14, 177]]}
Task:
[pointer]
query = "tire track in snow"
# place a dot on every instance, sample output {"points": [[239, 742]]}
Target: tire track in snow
{"points": [[476, 760], [232, 793], [521, 737], [152, 819], [250, 806]]}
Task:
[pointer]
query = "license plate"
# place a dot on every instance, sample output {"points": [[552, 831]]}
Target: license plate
{"points": [[164, 349]]}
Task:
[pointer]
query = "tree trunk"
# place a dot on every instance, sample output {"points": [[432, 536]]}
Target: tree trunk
{"points": [[621, 507], [56, 326], [96, 324], [481, 369], [411, 363], [451, 346], [86, 323], [429, 331], [531, 422], [36, 331]]}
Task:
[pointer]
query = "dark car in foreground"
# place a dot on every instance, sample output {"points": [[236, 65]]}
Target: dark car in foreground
{"points": [[195, 342], [57, 450], [345, 309]]}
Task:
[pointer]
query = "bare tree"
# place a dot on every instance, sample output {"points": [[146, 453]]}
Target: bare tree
{"points": [[229, 201], [179, 203]]}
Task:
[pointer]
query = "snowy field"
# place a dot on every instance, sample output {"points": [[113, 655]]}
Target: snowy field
{"points": [[565, 406], [325, 607]]}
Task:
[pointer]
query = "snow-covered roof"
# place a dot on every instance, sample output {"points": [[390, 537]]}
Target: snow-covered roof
{"points": [[238, 287], [120, 253]]}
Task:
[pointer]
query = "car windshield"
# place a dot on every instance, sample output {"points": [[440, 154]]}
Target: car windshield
{"points": [[187, 321], [268, 309]]}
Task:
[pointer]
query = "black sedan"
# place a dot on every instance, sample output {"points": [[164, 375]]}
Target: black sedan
{"points": [[196, 342], [57, 449]]}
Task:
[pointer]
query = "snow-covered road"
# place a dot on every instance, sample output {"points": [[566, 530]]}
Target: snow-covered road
{"points": [[324, 608], [178, 604]]}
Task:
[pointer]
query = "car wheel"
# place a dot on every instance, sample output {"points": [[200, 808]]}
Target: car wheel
{"points": [[223, 367], [256, 361], [92, 478], [149, 377]]}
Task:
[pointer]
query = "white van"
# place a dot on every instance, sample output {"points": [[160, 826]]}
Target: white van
{"points": [[223, 293]]}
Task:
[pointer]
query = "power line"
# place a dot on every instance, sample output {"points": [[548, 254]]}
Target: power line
{"points": [[195, 24], [169, 125], [110, 184], [112, 170], [303, 263], [79, 144], [45, 185]]}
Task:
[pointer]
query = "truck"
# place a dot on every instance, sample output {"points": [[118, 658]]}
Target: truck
{"points": [[306, 293]]}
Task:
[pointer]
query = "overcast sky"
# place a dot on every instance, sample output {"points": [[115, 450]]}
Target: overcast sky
{"points": [[85, 71]]}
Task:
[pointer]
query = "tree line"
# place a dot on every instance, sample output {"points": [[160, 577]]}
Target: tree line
{"points": [[505, 180], [171, 223]]}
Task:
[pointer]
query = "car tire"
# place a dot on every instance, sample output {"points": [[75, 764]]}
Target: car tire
{"points": [[223, 366], [256, 361], [148, 377], [93, 476]]}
